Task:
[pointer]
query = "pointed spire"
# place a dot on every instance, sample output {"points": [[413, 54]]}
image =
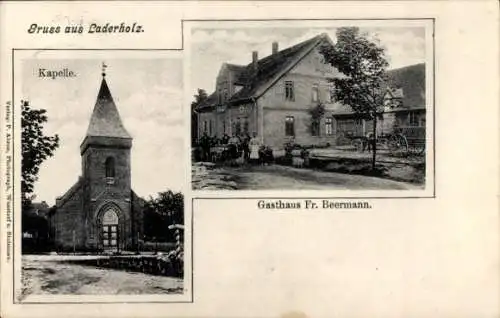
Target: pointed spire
{"points": [[105, 120]]}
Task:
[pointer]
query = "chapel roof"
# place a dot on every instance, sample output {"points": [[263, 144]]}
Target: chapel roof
{"points": [[105, 120]]}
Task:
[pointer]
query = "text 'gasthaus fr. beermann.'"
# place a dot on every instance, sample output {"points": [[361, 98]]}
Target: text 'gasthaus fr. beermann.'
{"points": [[100, 28], [312, 204]]}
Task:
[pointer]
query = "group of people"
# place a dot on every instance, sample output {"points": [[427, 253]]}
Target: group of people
{"points": [[244, 146]]}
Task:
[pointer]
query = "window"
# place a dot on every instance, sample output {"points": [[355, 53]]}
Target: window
{"points": [[289, 93], [315, 93], [110, 167], [289, 126], [110, 217], [422, 122], [329, 126], [413, 119], [329, 94], [210, 127], [224, 126], [204, 126]]}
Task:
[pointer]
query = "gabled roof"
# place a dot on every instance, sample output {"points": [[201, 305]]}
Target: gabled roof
{"points": [[411, 81], [407, 83], [38, 208], [60, 201], [269, 69], [237, 71], [105, 120]]}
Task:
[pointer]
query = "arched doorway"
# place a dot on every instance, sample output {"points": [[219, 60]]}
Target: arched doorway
{"points": [[110, 230]]}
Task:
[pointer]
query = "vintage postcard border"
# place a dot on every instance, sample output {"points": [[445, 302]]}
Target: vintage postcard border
{"points": [[255, 194]]}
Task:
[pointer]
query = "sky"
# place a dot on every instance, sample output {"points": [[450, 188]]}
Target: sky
{"points": [[210, 47], [148, 95]]}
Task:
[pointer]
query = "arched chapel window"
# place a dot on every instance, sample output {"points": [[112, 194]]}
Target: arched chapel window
{"points": [[110, 167]]}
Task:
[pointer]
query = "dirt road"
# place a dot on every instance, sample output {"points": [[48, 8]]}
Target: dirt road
{"points": [[43, 275], [276, 177]]}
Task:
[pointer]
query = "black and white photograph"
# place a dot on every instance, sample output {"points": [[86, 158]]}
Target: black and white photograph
{"points": [[298, 106], [103, 212]]}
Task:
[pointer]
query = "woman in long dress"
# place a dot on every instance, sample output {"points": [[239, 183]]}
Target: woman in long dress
{"points": [[254, 146]]}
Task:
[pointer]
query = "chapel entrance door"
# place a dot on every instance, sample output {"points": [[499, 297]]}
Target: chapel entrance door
{"points": [[109, 231]]}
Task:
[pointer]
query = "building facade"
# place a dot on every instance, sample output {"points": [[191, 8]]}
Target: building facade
{"points": [[100, 211], [274, 96]]}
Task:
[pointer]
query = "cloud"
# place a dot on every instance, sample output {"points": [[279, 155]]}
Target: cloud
{"points": [[403, 46], [163, 105], [149, 100], [212, 47]]}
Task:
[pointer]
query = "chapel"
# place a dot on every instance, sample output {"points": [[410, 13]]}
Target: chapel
{"points": [[101, 212]]}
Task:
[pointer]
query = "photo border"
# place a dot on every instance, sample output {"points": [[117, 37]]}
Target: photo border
{"points": [[14, 300], [261, 193]]}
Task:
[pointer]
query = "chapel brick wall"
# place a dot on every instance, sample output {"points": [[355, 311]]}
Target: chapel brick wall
{"points": [[69, 219]]}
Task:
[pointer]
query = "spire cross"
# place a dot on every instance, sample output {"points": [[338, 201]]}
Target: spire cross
{"points": [[104, 69]]}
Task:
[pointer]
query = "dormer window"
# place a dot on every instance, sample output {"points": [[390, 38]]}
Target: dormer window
{"points": [[110, 170]]}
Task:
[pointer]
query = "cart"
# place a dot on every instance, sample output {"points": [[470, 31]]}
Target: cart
{"points": [[415, 138], [407, 140], [402, 141]]}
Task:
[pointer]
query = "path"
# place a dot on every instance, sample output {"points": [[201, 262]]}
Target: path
{"points": [[43, 275], [276, 177]]}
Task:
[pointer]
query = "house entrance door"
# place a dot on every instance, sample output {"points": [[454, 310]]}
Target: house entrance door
{"points": [[110, 231]]}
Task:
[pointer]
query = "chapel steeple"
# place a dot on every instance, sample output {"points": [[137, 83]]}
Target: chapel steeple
{"points": [[101, 212], [105, 126]]}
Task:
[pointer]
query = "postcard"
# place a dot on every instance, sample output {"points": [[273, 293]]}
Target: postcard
{"points": [[249, 159]]}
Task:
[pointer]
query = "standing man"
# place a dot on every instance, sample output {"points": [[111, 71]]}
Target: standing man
{"points": [[225, 139], [205, 146], [246, 148]]}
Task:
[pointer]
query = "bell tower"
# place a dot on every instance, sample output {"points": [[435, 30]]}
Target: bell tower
{"points": [[105, 152]]}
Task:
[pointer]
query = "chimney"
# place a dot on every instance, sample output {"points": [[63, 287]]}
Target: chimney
{"points": [[255, 59], [275, 47]]}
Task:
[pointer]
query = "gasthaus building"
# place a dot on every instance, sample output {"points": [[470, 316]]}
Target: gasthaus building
{"points": [[273, 97], [100, 212]]}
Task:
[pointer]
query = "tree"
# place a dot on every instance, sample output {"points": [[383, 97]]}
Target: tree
{"points": [[160, 212], [36, 147], [316, 113], [198, 99], [364, 65]]}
